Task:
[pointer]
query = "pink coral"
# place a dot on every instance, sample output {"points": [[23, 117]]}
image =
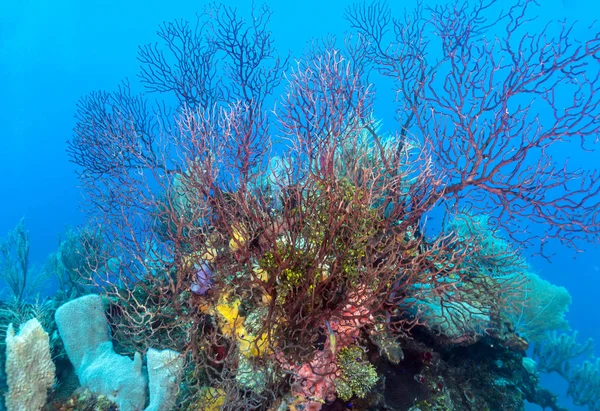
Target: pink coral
{"points": [[355, 315], [315, 380]]}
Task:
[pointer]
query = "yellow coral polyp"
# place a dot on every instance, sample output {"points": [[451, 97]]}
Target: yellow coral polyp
{"points": [[291, 276], [261, 274], [266, 298], [210, 255], [189, 260], [238, 237]]}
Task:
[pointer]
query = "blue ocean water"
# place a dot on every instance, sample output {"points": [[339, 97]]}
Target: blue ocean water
{"points": [[52, 53]]}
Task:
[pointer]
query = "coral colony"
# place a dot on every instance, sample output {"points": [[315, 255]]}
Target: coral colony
{"points": [[264, 244]]}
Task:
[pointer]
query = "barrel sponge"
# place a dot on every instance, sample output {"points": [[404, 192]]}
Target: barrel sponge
{"points": [[30, 371]]}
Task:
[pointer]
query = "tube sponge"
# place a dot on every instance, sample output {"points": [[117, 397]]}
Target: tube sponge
{"points": [[29, 368]]}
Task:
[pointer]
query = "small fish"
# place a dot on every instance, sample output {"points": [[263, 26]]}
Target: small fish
{"points": [[332, 340]]}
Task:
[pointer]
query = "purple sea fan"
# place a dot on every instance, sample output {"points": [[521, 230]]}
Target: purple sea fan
{"points": [[204, 278]]}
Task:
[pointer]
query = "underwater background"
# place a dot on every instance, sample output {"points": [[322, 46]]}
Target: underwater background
{"points": [[54, 52]]}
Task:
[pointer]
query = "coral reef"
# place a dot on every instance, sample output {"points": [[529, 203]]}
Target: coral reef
{"points": [[287, 257]]}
